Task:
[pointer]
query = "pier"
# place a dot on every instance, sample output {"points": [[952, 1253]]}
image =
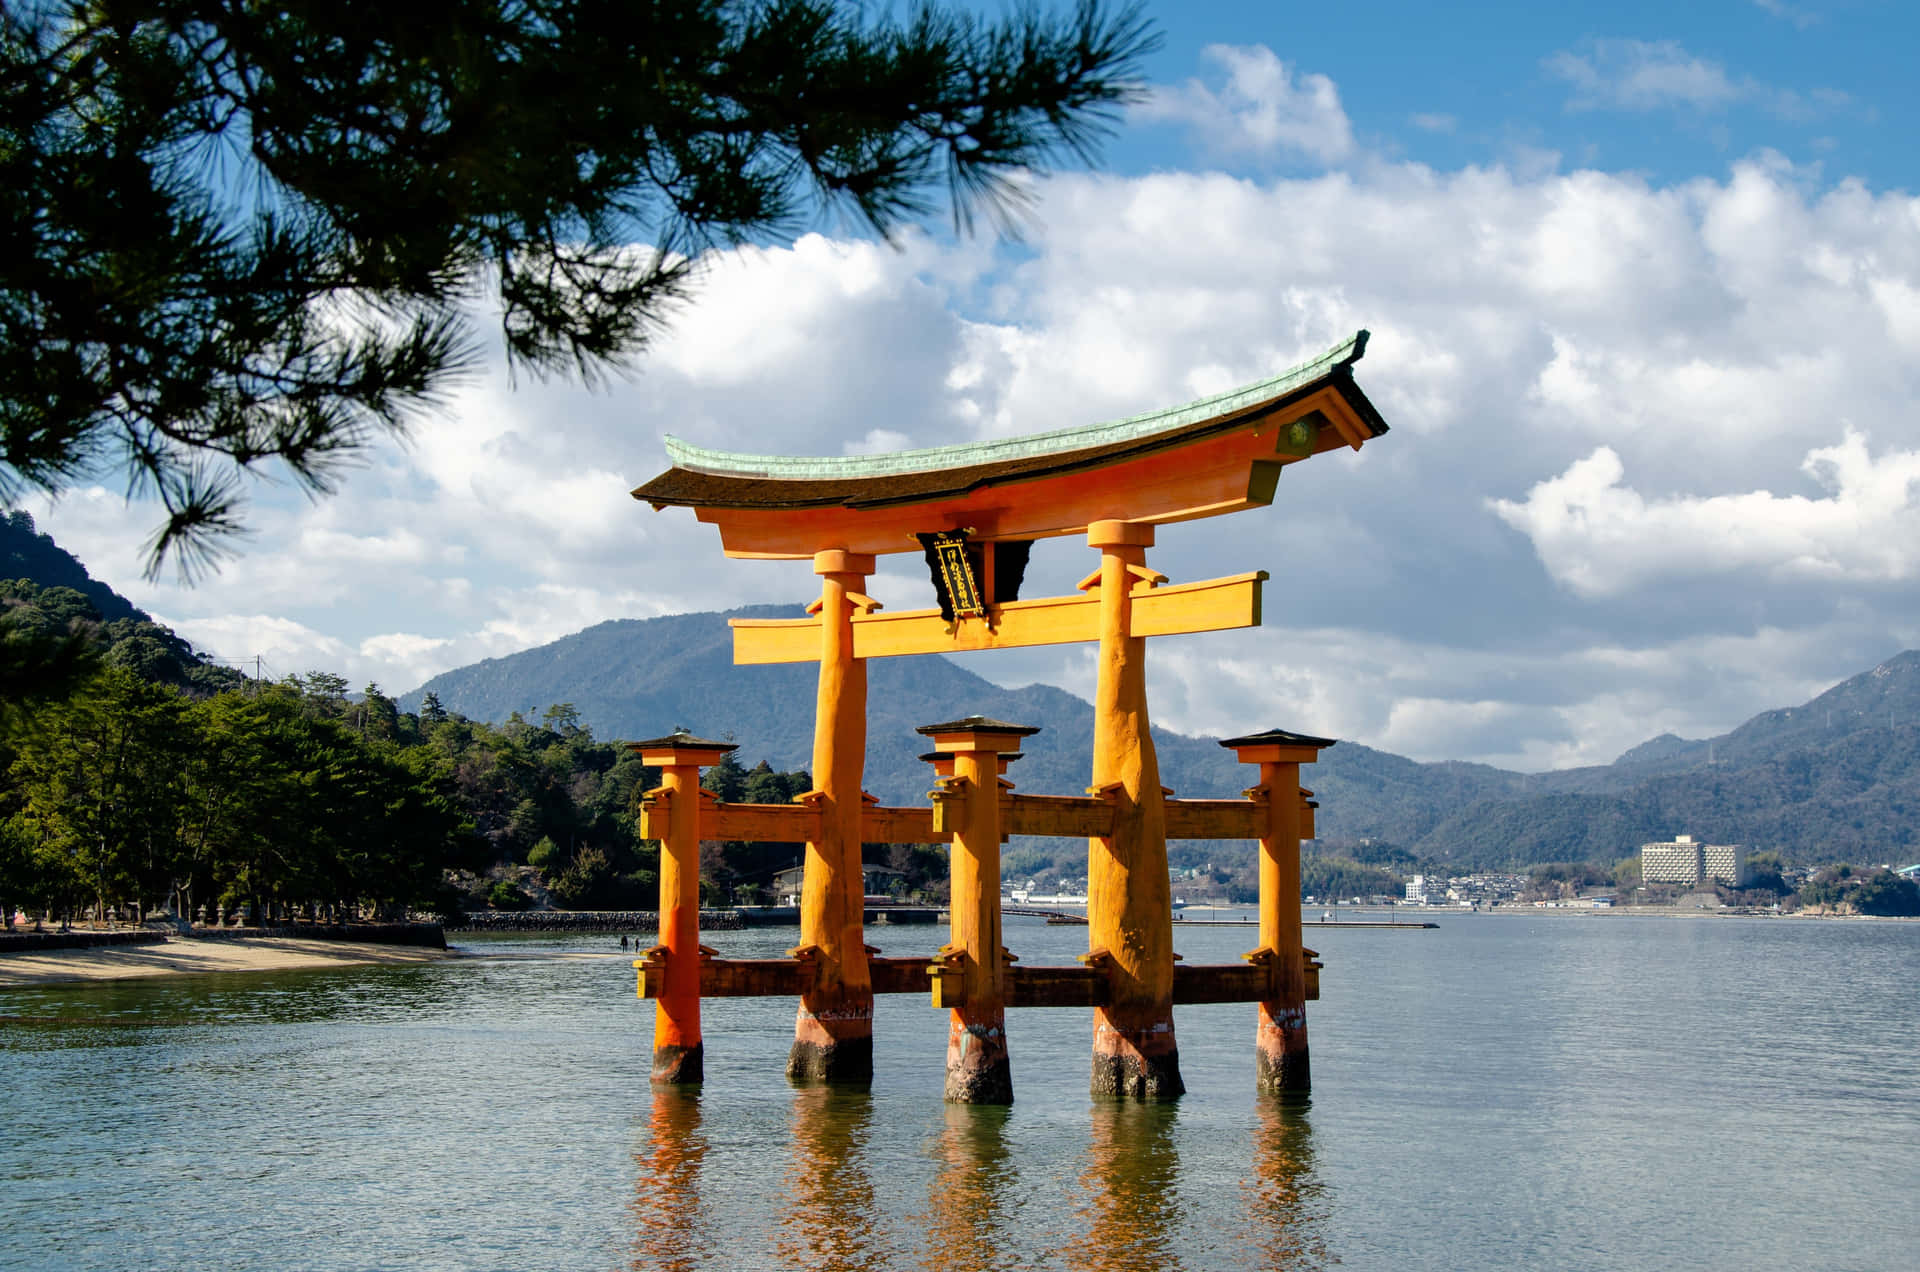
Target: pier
{"points": [[973, 512]]}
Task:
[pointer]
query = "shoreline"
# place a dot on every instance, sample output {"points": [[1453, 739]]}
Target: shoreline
{"points": [[187, 956]]}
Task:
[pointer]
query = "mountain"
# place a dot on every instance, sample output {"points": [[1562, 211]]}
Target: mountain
{"points": [[59, 622], [1837, 778], [25, 553], [638, 678]]}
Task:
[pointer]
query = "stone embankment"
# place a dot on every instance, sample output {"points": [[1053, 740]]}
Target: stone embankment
{"points": [[586, 921]]}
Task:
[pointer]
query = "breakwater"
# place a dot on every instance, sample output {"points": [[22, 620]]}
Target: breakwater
{"points": [[585, 921]]}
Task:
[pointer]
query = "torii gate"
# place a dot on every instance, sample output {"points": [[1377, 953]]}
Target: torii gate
{"points": [[974, 511]]}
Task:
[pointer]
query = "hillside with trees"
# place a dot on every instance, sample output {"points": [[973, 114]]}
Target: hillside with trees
{"points": [[145, 776]]}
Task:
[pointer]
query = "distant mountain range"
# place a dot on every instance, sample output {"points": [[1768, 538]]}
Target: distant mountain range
{"points": [[1835, 779]]}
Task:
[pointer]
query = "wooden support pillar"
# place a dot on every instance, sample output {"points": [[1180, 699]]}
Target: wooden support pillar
{"points": [[679, 1054], [1129, 899], [970, 978], [1280, 1034], [833, 1031]]}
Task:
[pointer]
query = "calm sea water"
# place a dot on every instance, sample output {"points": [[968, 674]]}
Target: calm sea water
{"points": [[1501, 1092]]}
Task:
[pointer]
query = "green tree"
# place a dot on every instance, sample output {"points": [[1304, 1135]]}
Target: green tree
{"points": [[563, 718], [726, 779], [99, 786], [246, 232], [375, 715], [37, 665], [1887, 894], [764, 786], [327, 692]]}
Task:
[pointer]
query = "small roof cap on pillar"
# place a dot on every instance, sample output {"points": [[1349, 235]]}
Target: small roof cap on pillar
{"points": [[1277, 746], [978, 724], [1278, 737], [683, 747], [985, 734]]}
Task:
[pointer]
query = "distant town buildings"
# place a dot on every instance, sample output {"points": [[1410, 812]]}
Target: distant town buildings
{"points": [[1472, 890], [1689, 863]]}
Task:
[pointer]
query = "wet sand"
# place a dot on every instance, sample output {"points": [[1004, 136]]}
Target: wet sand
{"points": [[188, 957]]}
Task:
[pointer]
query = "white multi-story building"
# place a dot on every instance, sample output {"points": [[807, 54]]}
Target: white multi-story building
{"points": [[1678, 861], [1725, 863], [1688, 862]]}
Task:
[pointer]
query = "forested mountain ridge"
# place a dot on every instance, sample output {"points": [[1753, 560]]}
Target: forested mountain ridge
{"points": [[1837, 778], [56, 620], [25, 553]]}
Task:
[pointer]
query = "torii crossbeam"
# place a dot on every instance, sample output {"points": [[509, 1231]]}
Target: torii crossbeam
{"points": [[974, 511]]}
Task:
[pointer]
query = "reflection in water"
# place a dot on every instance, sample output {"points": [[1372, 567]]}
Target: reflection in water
{"points": [[829, 1216], [670, 1232], [1132, 1209], [969, 1227], [1283, 1194]]}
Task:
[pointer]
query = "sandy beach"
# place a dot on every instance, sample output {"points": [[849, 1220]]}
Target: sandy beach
{"points": [[187, 957]]}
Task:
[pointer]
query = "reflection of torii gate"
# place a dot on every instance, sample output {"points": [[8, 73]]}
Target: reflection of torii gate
{"points": [[975, 510]]}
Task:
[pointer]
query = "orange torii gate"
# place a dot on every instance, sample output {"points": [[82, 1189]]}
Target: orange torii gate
{"points": [[974, 512]]}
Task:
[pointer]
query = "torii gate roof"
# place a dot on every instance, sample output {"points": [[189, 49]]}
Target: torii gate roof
{"points": [[1219, 454]]}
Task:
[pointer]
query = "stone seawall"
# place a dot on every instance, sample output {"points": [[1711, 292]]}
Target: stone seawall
{"points": [[586, 921]]}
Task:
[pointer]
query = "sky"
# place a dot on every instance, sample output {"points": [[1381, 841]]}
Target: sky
{"points": [[1644, 288]]}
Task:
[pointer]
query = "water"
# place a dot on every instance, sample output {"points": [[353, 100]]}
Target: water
{"points": [[1508, 1092]]}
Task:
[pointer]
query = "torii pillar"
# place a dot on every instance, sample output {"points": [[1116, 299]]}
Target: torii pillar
{"points": [[833, 1029], [1129, 898], [1280, 1032], [970, 978], [679, 1054]]}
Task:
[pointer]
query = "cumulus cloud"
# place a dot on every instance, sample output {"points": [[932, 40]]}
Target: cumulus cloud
{"points": [[1260, 107], [1602, 538]]}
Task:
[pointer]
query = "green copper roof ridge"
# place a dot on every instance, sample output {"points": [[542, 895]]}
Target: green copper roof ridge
{"points": [[999, 450]]}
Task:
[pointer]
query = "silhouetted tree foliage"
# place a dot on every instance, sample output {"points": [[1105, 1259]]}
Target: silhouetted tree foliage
{"points": [[238, 232]]}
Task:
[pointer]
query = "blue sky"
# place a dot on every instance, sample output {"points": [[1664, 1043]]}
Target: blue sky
{"points": [[1644, 283], [1670, 90]]}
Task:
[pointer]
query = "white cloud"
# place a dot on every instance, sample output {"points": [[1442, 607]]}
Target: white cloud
{"points": [[281, 646], [1261, 108], [1434, 123], [1643, 75], [1646, 75], [1602, 538]]}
